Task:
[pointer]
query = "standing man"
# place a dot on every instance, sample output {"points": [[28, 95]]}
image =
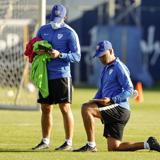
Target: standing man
{"points": [[110, 104], [66, 50]]}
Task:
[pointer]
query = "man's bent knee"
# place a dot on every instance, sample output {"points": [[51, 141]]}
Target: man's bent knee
{"points": [[113, 144], [113, 148]]}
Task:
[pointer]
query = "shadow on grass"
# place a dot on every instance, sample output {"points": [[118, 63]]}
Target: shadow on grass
{"points": [[24, 150]]}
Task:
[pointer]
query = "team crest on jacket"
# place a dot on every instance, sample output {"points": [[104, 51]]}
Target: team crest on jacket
{"points": [[110, 71], [59, 36]]}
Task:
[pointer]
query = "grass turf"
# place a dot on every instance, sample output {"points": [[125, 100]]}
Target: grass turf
{"points": [[20, 131]]}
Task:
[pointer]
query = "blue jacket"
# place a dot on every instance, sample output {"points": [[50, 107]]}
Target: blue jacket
{"points": [[66, 41], [116, 83]]}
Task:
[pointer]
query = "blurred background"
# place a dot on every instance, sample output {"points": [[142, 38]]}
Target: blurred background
{"points": [[131, 25]]}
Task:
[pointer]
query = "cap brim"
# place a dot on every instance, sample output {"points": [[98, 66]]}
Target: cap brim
{"points": [[99, 54], [57, 19]]}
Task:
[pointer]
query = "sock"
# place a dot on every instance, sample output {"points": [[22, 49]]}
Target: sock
{"points": [[69, 142], [91, 144], [46, 140], [146, 145]]}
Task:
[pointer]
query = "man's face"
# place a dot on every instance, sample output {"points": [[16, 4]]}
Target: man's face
{"points": [[105, 58]]}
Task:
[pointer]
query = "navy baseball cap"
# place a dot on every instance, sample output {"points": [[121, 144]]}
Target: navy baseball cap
{"points": [[102, 47], [58, 13]]}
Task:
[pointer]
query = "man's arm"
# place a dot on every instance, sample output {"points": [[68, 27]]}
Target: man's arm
{"points": [[126, 83], [98, 94], [74, 54]]}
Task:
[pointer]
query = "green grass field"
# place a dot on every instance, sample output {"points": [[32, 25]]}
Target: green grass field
{"points": [[20, 131]]}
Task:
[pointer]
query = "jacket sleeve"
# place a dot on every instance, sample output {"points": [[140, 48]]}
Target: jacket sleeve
{"points": [[99, 92], [39, 33], [124, 79], [74, 54]]}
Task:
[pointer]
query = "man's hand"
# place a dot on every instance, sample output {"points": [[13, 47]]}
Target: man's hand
{"points": [[103, 101], [54, 53], [41, 51]]}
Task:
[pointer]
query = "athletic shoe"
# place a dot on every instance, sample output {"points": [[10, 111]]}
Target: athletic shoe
{"points": [[86, 148], [153, 144], [64, 147], [40, 146]]}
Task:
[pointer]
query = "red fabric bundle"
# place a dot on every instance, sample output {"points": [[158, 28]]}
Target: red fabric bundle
{"points": [[29, 48]]}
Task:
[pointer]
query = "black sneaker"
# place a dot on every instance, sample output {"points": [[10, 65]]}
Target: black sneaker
{"points": [[86, 148], [153, 144], [64, 147], [40, 146]]}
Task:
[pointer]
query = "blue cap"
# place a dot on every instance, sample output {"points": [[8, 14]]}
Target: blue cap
{"points": [[58, 13], [102, 47]]}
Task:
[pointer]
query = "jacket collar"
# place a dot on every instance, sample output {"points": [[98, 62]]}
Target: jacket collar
{"points": [[112, 62]]}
